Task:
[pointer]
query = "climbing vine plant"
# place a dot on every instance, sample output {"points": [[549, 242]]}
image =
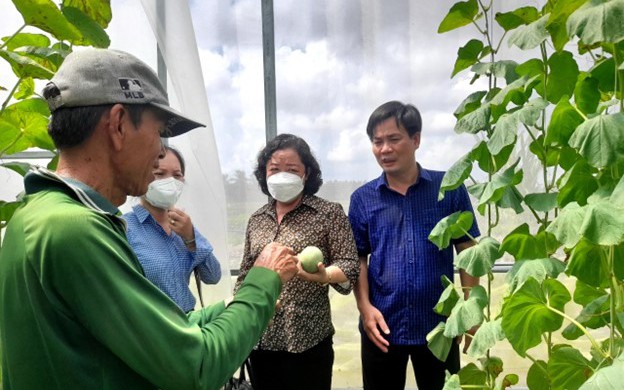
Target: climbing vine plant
{"points": [[34, 52], [567, 101]]}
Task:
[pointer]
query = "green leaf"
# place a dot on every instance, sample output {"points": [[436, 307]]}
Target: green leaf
{"points": [[460, 14], [24, 66], [486, 161], [448, 299], [566, 226], [543, 202], [603, 223], [511, 199], [488, 334], [92, 33], [505, 95], [607, 378], [500, 181], [470, 374], [452, 383], [45, 15], [537, 376], [48, 57], [527, 314], [604, 72], [7, 209], [598, 21], [507, 126], [600, 140], [471, 103], [502, 69], [510, 380], [518, 17], [98, 10], [474, 121], [588, 262], [456, 175], [577, 184], [536, 269], [32, 125], [27, 39], [584, 293], [492, 365], [19, 167], [467, 55], [564, 120], [586, 93], [504, 133], [479, 259], [529, 36], [437, 343], [568, 368], [617, 196], [26, 88], [564, 72], [593, 316], [556, 25], [454, 226], [466, 314], [521, 244]]}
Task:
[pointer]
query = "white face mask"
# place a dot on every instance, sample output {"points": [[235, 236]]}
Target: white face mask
{"points": [[285, 186], [164, 193]]}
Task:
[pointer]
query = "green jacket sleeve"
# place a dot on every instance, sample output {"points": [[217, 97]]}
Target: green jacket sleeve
{"points": [[96, 279]]}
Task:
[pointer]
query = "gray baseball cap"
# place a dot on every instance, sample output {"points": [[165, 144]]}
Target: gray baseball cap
{"points": [[91, 76]]}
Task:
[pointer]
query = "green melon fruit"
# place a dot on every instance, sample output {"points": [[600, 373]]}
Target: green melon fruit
{"points": [[310, 256]]}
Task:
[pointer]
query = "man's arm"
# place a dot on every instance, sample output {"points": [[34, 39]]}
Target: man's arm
{"points": [[372, 319]]}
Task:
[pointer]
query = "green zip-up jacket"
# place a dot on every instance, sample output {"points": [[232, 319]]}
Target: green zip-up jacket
{"points": [[76, 311]]}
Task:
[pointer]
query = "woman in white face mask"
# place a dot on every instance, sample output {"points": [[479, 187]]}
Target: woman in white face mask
{"points": [[167, 244], [296, 350]]}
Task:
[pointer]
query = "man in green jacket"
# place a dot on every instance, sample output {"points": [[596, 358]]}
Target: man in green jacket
{"points": [[76, 311]]}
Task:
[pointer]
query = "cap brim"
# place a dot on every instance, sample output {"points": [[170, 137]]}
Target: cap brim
{"points": [[177, 124]]}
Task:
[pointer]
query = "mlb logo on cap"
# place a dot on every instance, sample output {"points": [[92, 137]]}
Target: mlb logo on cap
{"points": [[132, 88]]}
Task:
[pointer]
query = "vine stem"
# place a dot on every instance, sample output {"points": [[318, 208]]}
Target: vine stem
{"points": [[534, 360], [593, 341], [612, 307], [13, 36], [4, 104]]}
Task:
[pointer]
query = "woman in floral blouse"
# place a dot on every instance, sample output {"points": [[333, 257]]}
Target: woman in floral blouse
{"points": [[296, 350]]}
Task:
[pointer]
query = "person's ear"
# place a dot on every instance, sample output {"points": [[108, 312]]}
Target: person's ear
{"points": [[117, 125], [416, 139]]}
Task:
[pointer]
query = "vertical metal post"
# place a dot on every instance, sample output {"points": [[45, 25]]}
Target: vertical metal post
{"points": [[268, 49], [161, 67]]}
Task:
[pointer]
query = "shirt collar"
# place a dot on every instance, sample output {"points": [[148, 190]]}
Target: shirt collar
{"points": [[141, 213], [39, 179], [423, 174], [307, 200]]}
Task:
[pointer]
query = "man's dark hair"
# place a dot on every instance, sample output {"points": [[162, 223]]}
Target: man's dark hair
{"points": [[314, 178], [405, 115], [177, 153], [71, 126]]}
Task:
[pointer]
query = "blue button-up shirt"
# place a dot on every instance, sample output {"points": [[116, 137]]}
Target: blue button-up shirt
{"points": [[404, 267], [166, 260]]}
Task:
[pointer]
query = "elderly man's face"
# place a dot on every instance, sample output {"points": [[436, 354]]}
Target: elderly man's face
{"points": [[145, 147]]}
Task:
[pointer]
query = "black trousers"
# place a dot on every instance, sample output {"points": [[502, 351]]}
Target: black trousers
{"points": [[280, 370], [387, 371]]}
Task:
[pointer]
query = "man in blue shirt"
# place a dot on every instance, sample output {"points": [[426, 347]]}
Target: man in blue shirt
{"points": [[392, 217]]}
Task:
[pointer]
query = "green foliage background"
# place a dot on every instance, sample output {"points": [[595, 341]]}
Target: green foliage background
{"points": [[572, 114]]}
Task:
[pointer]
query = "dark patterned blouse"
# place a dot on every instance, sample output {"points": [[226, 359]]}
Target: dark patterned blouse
{"points": [[304, 319]]}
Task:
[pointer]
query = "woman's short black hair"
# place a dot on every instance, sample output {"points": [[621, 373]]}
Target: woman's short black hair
{"points": [[405, 115], [314, 178], [178, 155]]}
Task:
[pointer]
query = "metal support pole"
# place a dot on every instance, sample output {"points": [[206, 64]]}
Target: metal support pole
{"points": [[161, 67], [268, 49]]}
